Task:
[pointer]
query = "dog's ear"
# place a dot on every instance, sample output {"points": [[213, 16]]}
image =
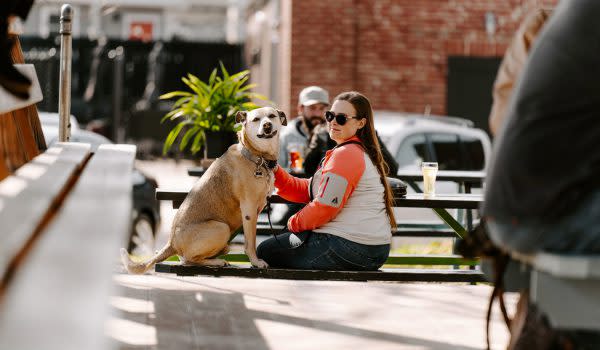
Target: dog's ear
{"points": [[240, 116], [282, 117]]}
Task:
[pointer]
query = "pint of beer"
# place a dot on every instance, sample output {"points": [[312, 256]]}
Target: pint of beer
{"points": [[429, 170], [295, 157], [296, 160]]}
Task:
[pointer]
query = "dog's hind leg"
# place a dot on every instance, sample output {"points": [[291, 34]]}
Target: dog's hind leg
{"points": [[200, 243]]}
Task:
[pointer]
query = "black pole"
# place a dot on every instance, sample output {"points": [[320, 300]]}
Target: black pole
{"points": [[117, 93]]}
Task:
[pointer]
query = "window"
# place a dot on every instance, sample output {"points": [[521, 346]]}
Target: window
{"points": [[447, 151], [54, 24], [411, 152], [472, 150]]}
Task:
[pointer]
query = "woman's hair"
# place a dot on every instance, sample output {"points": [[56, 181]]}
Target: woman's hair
{"points": [[369, 140]]}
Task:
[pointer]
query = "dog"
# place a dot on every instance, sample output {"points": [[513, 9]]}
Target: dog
{"points": [[231, 194]]}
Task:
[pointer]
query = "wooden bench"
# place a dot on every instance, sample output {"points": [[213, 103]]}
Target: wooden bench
{"points": [[28, 199], [566, 288], [66, 226], [64, 212]]}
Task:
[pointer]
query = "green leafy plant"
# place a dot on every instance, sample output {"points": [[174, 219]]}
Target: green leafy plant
{"points": [[209, 106]]}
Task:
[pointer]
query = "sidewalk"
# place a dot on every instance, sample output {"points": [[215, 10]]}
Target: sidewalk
{"points": [[168, 312]]}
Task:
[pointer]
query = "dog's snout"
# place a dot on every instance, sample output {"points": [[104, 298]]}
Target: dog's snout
{"points": [[268, 127]]}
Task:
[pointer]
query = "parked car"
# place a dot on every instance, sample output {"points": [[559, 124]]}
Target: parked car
{"points": [[146, 208], [454, 143]]}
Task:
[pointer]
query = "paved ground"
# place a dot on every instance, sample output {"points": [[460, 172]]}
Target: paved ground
{"points": [[161, 311], [168, 312]]}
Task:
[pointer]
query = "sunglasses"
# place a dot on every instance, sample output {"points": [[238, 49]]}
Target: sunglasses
{"points": [[340, 118]]}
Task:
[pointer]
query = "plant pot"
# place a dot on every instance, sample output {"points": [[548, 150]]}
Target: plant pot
{"points": [[217, 142]]}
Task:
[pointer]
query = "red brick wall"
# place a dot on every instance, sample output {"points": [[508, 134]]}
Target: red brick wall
{"points": [[394, 51]]}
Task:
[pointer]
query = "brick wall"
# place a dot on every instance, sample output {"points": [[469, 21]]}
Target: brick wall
{"points": [[394, 51]]}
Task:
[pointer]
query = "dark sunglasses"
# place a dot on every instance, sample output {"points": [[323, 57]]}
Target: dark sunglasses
{"points": [[340, 118]]}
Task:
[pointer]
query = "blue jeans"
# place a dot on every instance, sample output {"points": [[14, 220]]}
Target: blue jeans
{"points": [[322, 251], [577, 233]]}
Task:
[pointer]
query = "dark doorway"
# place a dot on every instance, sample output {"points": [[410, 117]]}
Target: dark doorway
{"points": [[470, 82]]}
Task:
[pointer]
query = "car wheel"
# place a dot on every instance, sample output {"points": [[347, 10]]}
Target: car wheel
{"points": [[142, 236]]}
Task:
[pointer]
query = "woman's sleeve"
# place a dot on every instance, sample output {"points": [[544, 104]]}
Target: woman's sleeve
{"points": [[291, 188], [341, 175]]}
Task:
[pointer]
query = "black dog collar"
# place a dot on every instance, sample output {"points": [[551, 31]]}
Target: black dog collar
{"points": [[259, 161]]}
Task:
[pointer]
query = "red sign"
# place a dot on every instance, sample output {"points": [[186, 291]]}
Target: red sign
{"points": [[140, 31]]}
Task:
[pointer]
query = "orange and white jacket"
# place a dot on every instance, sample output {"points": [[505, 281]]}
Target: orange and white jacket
{"points": [[345, 197]]}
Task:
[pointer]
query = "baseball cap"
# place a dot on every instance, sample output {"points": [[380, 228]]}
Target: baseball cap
{"points": [[312, 95]]}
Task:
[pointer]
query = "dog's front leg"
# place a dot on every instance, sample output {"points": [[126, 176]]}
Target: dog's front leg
{"points": [[249, 219]]}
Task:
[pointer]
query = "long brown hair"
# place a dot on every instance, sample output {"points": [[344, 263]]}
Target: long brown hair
{"points": [[369, 140]]}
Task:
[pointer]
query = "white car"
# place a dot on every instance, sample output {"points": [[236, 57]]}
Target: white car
{"points": [[451, 142]]}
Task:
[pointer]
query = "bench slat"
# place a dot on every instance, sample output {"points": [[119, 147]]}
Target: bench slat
{"points": [[397, 275], [264, 229], [29, 194], [569, 266], [406, 259], [569, 303], [556, 278], [58, 300]]}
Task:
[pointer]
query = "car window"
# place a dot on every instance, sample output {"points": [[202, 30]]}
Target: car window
{"points": [[447, 151], [473, 154], [412, 152]]}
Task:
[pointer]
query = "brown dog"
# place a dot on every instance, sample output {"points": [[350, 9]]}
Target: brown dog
{"points": [[231, 193]]}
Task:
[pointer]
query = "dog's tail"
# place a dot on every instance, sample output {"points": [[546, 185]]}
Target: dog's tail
{"points": [[139, 268]]}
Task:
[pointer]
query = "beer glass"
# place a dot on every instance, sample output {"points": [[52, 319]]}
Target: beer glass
{"points": [[429, 170], [295, 156]]}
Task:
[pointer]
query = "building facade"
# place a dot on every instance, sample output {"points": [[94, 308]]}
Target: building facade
{"points": [[403, 54]]}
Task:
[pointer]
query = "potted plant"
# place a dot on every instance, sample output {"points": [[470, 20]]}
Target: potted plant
{"points": [[206, 113]]}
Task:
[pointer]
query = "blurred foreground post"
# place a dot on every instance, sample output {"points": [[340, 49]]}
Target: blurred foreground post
{"points": [[64, 97]]}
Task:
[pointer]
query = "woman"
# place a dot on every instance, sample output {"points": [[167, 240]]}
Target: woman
{"points": [[347, 222]]}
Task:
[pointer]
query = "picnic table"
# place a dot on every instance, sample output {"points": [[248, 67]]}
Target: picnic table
{"points": [[437, 203], [465, 179]]}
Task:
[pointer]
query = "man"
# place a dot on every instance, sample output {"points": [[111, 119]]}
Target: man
{"points": [[312, 104]]}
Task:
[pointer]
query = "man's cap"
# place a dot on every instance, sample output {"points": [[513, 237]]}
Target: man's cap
{"points": [[313, 95]]}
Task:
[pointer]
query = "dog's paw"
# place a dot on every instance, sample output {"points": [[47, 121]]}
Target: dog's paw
{"points": [[261, 264], [215, 262]]}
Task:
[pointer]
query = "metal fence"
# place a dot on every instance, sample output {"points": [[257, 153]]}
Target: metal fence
{"points": [[116, 84]]}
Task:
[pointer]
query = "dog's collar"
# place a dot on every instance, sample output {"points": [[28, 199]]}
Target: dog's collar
{"points": [[259, 161]]}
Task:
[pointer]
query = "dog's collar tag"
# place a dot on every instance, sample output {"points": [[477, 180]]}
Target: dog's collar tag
{"points": [[258, 173]]}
